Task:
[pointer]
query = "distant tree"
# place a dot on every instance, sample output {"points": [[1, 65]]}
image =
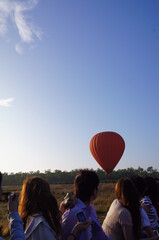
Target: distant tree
{"points": [[59, 176], [152, 172]]}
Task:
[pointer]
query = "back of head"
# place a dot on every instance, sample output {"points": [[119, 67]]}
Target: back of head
{"points": [[85, 183], [126, 191], [35, 193], [139, 184], [151, 188], [36, 197]]}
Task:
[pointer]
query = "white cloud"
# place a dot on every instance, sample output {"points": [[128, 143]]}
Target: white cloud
{"points": [[16, 12], [6, 102], [19, 48]]}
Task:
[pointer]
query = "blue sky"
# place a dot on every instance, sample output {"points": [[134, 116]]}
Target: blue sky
{"points": [[70, 69]]}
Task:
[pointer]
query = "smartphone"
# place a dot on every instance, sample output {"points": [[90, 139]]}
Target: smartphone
{"points": [[68, 196], [81, 217]]}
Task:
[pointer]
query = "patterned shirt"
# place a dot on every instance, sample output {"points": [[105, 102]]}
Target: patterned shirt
{"points": [[152, 214]]}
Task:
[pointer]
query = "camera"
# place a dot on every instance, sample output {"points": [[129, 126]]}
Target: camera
{"points": [[5, 196]]}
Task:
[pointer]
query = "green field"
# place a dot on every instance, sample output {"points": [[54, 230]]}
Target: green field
{"points": [[101, 204]]}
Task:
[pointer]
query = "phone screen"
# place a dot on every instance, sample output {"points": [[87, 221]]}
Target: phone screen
{"points": [[81, 217]]}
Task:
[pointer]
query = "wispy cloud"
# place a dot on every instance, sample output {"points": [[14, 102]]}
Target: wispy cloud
{"points": [[15, 11], [19, 48], [6, 102]]}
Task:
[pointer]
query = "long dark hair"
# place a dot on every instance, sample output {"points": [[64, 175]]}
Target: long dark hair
{"points": [[139, 183], [127, 192], [36, 197]]}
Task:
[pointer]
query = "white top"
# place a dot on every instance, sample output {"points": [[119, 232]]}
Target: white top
{"points": [[152, 214], [39, 229], [118, 223], [145, 222]]}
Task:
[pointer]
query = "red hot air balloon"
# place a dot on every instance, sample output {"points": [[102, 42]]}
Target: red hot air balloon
{"points": [[107, 149]]}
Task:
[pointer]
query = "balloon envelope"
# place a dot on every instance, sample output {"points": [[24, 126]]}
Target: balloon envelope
{"points": [[107, 148]]}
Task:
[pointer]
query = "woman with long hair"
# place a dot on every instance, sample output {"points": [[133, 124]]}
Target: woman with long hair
{"points": [[123, 220], [39, 211], [145, 221]]}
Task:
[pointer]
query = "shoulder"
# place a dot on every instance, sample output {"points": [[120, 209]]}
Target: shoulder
{"points": [[69, 219], [35, 220], [119, 211], [116, 203], [144, 218], [146, 200], [39, 227], [116, 207], [71, 213], [125, 217], [143, 213]]}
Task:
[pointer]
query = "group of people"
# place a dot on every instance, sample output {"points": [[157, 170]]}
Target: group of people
{"points": [[132, 215], [38, 217]]}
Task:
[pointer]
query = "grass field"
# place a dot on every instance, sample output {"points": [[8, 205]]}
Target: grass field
{"points": [[101, 204]]}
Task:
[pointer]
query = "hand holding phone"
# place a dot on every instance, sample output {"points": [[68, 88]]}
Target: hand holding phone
{"points": [[13, 203]]}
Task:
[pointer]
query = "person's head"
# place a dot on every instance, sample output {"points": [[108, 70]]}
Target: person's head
{"points": [[86, 185], [126, 191], [0, 184], [36, 197], [151, 189], [139, 184]]}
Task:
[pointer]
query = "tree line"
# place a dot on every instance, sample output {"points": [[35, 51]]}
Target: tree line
{"points": [[67, 177]]}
